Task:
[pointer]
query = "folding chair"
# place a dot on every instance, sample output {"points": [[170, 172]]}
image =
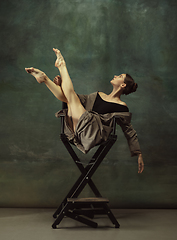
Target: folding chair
{"points": [[84, 209]]}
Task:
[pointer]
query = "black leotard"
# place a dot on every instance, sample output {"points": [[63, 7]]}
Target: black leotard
{"points": [[101, 106]]}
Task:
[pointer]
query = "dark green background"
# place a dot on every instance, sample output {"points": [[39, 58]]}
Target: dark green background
{"points": [[98, 39]]}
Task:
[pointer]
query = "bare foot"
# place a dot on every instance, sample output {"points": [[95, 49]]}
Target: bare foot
{"points": [[60, 60], [39, 75], [57, 80]]}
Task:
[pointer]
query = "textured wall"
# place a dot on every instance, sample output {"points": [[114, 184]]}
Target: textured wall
{"points": [[98, 39]]}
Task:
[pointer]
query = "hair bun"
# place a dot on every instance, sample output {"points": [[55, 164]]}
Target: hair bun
{"points": [[134, 87], [131, 86]]}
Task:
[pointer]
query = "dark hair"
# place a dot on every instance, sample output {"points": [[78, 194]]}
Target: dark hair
{"points": [[131, 86]]}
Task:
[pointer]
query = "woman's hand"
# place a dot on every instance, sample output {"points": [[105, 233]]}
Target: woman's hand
{"points": [[57, 80], [140, 163]]}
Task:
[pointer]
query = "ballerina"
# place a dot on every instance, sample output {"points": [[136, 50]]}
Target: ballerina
{"points": [[89, 117]]}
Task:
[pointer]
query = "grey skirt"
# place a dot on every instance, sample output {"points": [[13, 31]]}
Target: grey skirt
{"points": [[89, 132]]}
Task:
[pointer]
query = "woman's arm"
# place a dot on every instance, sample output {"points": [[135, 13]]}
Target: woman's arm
{"points": [[131, 137], [133, 143]]}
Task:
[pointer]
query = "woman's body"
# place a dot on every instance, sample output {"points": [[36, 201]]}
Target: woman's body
{"points": [[64, 91]]}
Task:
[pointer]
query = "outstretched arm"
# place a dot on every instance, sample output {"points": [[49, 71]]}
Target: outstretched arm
{"points": [[133, 143]]}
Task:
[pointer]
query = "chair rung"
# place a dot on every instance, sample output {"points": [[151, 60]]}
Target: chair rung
{"points": [[87, 200]]}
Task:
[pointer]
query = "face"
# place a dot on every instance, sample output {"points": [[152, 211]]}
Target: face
{"points": [[118, 80]]}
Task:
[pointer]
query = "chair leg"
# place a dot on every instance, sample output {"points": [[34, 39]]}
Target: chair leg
{"points": [[79, 163], [111, 216], [92, 169], [85, 178], [83, 171], [60, 216]]}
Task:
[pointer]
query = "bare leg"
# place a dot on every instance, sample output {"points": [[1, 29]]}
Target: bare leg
{"points": [[75, 105], [53, 87]]}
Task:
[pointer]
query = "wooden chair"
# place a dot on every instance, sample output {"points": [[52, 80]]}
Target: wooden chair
{"points": [[84, 209]]}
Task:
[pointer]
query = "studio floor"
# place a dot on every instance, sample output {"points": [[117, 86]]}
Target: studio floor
{"points": [[35, 224]]}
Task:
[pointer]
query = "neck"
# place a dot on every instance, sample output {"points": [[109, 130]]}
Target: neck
{"points": [[116, 94]]}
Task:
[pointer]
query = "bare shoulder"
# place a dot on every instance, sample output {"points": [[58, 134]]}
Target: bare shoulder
{"points": [[122, 103], [102, 95]]}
